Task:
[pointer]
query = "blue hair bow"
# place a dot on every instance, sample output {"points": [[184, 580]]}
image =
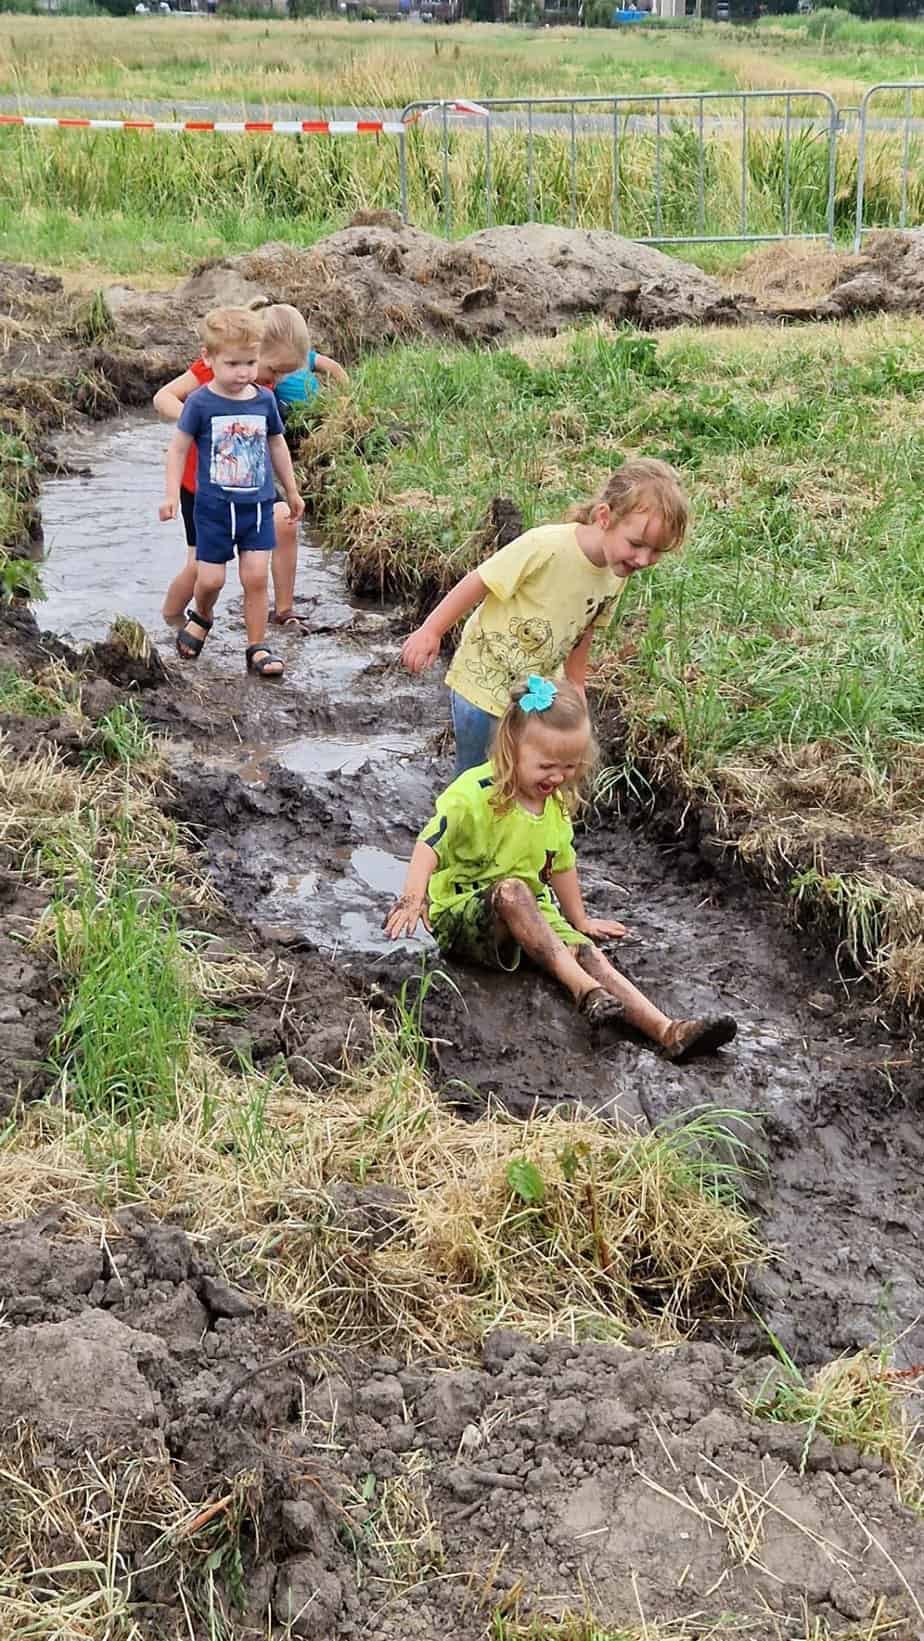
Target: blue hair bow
{"points": [[540, 693]]}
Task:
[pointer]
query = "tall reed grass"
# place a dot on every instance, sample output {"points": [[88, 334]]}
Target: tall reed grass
{"points": [[222, 184]]}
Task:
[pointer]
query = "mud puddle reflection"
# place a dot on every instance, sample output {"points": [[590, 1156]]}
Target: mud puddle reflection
{"points": [[308, 832]]}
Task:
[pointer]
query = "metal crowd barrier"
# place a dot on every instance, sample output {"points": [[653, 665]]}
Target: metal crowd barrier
{"points": [[705, 114], [907, 124]]}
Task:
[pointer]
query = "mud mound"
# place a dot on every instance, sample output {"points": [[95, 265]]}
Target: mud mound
{"points": [[792, 272], [887, 277], [636, 1473], [378, 281]]}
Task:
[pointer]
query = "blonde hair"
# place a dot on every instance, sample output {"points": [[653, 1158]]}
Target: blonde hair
{"points": [[230, 328], [643, 485], [283, 328], [567, 711]]}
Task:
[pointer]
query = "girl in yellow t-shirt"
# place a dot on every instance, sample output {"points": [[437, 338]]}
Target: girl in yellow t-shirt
{"points": [[536, 602], [494, 873]]}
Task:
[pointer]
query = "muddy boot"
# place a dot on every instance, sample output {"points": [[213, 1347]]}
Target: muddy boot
{"points": [[601, 1011], [686, 1038]]}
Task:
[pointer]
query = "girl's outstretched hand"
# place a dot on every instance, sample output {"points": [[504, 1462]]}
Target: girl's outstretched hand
{"points": [[602, 928], [406, 913], [420, 650]]}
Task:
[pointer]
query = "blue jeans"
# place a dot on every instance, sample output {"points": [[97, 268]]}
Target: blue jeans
{"points": [[474, 730]]}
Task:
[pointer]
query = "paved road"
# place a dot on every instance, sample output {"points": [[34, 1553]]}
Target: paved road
{"points": [[585, 124]]}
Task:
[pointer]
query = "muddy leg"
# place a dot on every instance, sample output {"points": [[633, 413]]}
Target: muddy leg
{"points": [[253, 567], [518, 917], [639, 1012], [180, 591], [285, 559], [677, 1039]]}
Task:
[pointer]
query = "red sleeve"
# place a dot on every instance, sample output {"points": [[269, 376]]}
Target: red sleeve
{"points": [[203, 374]]}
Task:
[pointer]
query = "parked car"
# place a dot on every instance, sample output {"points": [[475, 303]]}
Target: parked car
{"points": [[722, 13]]}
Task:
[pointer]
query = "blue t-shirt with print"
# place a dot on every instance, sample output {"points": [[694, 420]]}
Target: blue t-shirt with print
{"points": [[299, 386], [230, 436]]}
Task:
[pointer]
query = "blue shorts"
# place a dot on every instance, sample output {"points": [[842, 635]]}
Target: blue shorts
{"points": [[223, 525]]}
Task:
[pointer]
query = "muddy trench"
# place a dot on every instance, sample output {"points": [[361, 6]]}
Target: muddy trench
{"points": [[308, 797], [545, 1477]]}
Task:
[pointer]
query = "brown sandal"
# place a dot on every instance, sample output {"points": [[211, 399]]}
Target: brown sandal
{"points": [[686, 1038], [289, 618]]}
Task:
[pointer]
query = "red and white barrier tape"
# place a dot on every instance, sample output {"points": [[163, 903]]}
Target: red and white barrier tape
{"points": [[284, 128], [461, 105]]}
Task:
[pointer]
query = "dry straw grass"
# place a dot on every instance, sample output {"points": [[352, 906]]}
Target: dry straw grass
{"points": [[63, 820], [630, 1227], [74, 1535]]}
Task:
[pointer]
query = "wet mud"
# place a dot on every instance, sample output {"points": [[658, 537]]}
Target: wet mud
{"points": [[617, 1471]]}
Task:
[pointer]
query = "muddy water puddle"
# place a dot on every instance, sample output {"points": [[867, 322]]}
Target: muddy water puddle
{"points": [[309, 830]]}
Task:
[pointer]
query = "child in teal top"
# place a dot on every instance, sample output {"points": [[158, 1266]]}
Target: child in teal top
{"points": [[494, 872]]}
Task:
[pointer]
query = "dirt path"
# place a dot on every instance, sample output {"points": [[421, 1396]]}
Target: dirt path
{"points": [[310, 805]]}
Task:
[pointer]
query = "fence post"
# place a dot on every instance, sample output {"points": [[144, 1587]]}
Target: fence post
{"points": [[402, 163], [834, 123], [861, 174]]}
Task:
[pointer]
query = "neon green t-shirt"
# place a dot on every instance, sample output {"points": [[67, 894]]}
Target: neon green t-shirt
{"points": [[543, 594], [475, 846]]}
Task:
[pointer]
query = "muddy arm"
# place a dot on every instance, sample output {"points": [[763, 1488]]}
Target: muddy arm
{"points": [[566, 888], [411, 906], [577, 663], [330, 367], [423, 646], [177, 451]]}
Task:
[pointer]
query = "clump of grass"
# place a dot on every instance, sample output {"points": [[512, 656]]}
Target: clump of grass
{"points": [[628, 1227], [391, 1520], [122, 736], [124, 1041], [34, 697], [64, 821], [856, 1400]]}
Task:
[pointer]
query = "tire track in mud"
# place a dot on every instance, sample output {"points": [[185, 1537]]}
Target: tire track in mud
{"points": [[309, 806]]}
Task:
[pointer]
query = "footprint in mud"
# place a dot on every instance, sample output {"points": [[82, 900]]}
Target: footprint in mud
{"points": [[311, 831]]}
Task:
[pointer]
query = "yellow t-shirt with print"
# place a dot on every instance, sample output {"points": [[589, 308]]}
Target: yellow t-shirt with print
{"points": [[543, 593]]}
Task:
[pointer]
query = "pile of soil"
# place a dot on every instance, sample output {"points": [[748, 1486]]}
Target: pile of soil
{"points": [[636, 1474], [380, 281], [887, 276]]}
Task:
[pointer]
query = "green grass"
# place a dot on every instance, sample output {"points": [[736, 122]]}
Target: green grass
{"points": [[123, 737], [23, 697], [127, 204], [124, 1040], [775, 663], [333, 63], [857, 1401]]}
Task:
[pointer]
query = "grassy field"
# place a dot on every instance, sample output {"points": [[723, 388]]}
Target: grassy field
{"points": [[332, 63], [773, 667], [132, 204]]}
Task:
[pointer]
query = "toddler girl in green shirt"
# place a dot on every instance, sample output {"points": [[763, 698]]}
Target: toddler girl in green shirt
{"points": [[494, 872]]}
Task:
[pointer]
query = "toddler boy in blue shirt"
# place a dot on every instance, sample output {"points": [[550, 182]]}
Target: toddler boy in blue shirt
{"points": [[238, 433]]}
